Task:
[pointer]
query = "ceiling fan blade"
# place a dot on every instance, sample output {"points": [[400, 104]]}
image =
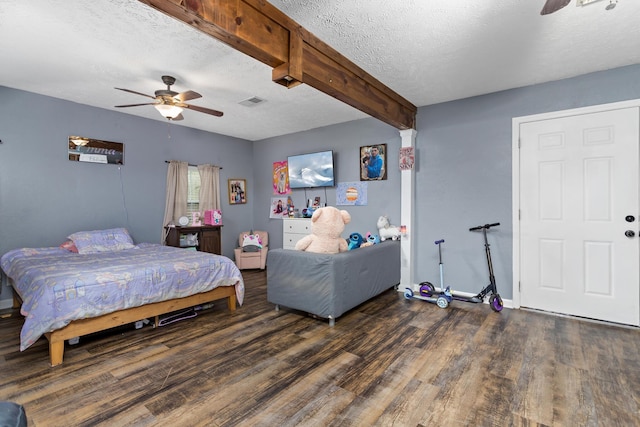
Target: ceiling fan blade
{"points": [[135, 105], [137, 93], [178, 117], [202, 109], [553, 6], [187, 96]]}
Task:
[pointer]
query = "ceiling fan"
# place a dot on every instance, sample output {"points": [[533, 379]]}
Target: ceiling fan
{"points": [[171, 104], [551, 6]]}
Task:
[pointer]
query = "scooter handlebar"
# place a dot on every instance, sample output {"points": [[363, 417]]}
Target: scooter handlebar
{"points": [[487, 226], [437, 242]]}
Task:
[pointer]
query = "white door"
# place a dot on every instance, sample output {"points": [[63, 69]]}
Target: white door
{"points": [[578, 197]]}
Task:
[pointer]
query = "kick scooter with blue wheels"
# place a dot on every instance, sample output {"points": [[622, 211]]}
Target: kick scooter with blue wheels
{"points": [[427, 292]]}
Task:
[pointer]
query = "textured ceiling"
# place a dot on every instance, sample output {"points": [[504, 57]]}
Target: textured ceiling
{"points": [[427, 51]]}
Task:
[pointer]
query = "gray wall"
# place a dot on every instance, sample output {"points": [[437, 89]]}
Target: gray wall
{"points": [[44, 197], [345, 139], [463, 175], [464, 172]]}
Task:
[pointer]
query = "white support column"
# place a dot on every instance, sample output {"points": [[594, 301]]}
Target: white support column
{"points": [[407, 197]]}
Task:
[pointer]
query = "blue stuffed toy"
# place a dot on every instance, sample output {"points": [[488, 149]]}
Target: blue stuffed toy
{"points": [[371, 239], [354, 241]]}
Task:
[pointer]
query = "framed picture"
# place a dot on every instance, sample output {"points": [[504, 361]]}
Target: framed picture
{"points": [[237, 191], [83, 149], [373, 162]]}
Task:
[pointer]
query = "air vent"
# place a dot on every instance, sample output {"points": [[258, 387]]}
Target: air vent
{"points": [[252, 102]]}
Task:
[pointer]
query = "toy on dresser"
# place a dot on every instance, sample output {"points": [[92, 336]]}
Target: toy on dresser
{"points": [[213, 217], [386, 230]]}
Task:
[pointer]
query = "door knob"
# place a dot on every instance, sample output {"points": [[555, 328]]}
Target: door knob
{"points": [[629, 218], [629, 233]]}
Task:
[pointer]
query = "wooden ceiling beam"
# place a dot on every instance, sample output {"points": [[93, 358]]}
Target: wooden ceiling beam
{"points": [[260, 30]]}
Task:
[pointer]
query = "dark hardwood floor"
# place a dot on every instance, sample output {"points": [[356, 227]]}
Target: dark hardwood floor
{"points": [[388, 362]]}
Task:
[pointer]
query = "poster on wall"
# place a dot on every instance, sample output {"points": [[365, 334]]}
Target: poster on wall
{"points": [[407, 158], [351, 193], [281, 178], [279, 208]]}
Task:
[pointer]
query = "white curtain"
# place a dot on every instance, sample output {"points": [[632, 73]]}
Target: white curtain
{"points": [[209, 187], [176, 198]]}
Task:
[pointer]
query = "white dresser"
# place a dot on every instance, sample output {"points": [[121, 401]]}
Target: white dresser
{"points": [[294, 229]]}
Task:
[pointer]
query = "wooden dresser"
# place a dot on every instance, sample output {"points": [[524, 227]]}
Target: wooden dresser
{"points": [[208, 238]]}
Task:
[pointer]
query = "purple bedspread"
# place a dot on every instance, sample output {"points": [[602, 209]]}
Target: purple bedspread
{"points": [[58, 286]]}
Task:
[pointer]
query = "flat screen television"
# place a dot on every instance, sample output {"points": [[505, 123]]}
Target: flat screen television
{"points": [[311, 170]]}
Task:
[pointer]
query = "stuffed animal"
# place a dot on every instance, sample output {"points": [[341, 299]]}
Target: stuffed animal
{"points": [[327, 224], [370, 240], [251, 243], [373, 238], [354, 241], [386, 230]]}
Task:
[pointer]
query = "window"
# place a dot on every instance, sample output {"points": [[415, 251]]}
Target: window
{"points": [[193, 194]]}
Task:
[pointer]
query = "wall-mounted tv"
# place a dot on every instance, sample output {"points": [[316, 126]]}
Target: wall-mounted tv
{"points": [[311, 170]]}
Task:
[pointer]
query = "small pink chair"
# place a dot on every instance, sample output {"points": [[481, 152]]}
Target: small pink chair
{"points": [[248, 260]]}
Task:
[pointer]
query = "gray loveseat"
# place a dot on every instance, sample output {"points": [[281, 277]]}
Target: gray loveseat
{"points": [[328, 285]]}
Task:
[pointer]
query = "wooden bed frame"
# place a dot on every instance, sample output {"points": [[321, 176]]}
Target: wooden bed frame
{"points": [[81, 327]]}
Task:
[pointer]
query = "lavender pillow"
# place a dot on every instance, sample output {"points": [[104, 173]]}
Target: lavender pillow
{"points": [[91, 242]]}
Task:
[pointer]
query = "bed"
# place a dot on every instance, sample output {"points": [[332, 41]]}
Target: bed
{"points": [[102, 282]]}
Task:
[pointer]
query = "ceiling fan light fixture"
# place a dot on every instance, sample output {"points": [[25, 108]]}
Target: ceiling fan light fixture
{"points": [[79, 140], [169, 111], [171, 104]]}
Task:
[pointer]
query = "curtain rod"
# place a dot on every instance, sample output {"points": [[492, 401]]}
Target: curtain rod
{"points": [[167, 161]]}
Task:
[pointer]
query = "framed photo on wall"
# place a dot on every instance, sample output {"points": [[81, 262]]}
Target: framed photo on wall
{"points": [[237, 191], [373, 162]]}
